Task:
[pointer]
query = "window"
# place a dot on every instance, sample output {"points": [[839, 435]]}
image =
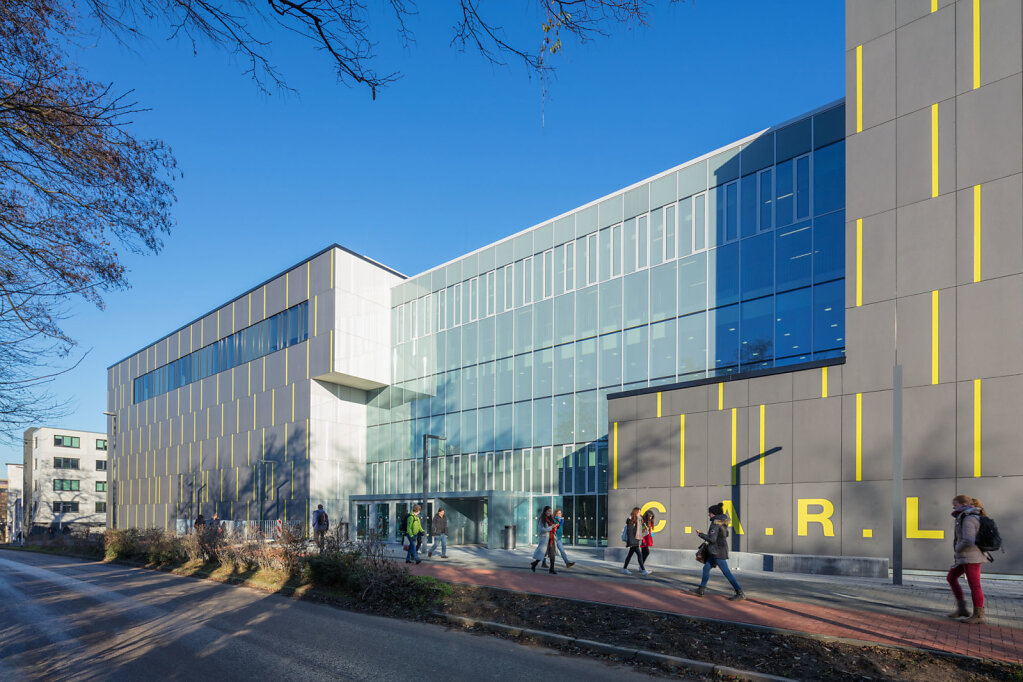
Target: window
{"points": [[65, 462], [591, 259], [101, 465], [509, 287], [548, 273], [456, 304], [616, 251], [642, 239], [101, 486], [491, 283], [474, 298], [442, 310], [570, 266], [101, 507], [527, 280], [65, 507], [700, 222], [669, 233], [766, 199], [286, 328], [66, 484], [101, 444], [803, 187], [67, 441]]}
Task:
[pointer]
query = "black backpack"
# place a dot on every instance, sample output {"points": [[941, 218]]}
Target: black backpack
{"points": [[404, 525], [988, 537]]}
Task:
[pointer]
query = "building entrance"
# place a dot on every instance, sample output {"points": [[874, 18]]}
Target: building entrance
{"points": [[467, 519]]}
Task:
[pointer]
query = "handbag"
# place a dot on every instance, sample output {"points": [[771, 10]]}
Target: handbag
{"points": [[625, 533], [702, 553]]}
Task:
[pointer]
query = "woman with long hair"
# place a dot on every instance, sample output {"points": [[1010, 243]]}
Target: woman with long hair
{"points": [[648, 535], [546, 527], [967, 512], [633, 535], [716, 538]]}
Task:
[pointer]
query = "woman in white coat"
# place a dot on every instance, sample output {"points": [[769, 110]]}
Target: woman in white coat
{"points": [[546, 527]]}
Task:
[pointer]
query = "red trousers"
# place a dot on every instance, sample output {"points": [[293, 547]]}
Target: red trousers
{"points": [[972, 572]]}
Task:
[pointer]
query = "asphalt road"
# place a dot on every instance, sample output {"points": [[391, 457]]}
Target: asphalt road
{"points": [[69, 619]]}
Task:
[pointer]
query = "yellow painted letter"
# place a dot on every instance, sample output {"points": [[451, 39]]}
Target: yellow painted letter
{"points": [[823, 517]]}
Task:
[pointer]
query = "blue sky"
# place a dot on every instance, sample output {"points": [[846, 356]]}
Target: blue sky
{"points": [[457, 154]]}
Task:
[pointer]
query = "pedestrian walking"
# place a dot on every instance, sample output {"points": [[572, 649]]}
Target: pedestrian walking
{"points": [[413, 528], [716, 538], [648, 535], [440, 534], [546, 527], [633, 536], [321, 524], [967, 512], [559, 516]]}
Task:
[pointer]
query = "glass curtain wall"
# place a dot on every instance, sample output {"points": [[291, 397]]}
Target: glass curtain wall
{"points": [[728, 264]]}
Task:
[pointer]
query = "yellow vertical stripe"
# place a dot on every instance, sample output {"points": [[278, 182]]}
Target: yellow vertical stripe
{"points": [[976, 428], [824, 382], [307, 279], [859, 436], [721, 396], [331, 268], [735, 449], [976, 233], [934, 336], [859, 262], [934, 5], [615, 457], [762, 447], [658, 404], [287, 288], [682, 451], [976, 44], [859, 88], [934, 150]]}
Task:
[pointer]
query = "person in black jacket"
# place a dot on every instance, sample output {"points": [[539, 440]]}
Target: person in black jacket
{"points": [[440, 534], [716, 538]]}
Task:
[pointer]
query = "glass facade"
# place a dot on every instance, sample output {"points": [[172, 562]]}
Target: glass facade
{"points": [[729, 263], [287, 328]]}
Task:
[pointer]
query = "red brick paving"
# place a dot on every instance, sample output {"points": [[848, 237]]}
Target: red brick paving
{"points": [[983, 641]]}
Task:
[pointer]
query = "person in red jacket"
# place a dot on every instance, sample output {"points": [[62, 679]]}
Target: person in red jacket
{"points": [[648, 534]]}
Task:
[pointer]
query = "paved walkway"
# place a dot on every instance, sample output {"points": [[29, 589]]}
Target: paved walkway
{"points": [[868, 610]]}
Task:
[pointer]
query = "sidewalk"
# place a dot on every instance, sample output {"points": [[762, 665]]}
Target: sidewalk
{"points": [[864, 609]]}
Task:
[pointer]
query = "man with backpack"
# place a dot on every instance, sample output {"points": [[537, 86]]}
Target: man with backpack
{"points": [[413, 528], [321, 524]]}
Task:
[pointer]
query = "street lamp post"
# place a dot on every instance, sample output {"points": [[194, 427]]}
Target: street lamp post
{"points": [[427, 437]]}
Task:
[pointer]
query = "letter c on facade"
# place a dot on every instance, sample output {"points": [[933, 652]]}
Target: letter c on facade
{"points": [[659, 526]]}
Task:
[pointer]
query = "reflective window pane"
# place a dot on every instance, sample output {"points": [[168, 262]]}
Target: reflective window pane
{"points": [[757, 332], [757, 266], [793, 314], [794, 250]]}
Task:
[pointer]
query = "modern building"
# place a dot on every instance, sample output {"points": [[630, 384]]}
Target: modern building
{"points": [[811, 460], [734, 316], [15, 508], [258, 408], [64, 479], [319, 385]]}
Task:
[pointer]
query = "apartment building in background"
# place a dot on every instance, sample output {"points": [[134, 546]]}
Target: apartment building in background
{"points": [[64, 479]]}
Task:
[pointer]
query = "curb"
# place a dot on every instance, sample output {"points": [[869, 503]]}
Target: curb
{"points": [[620, 651]]}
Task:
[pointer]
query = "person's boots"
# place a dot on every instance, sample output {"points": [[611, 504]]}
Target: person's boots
{"points": [[552, 571], [533, 566], [738, 596], [569, 564], [699, 591], [961, 610], [978, 616]]}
